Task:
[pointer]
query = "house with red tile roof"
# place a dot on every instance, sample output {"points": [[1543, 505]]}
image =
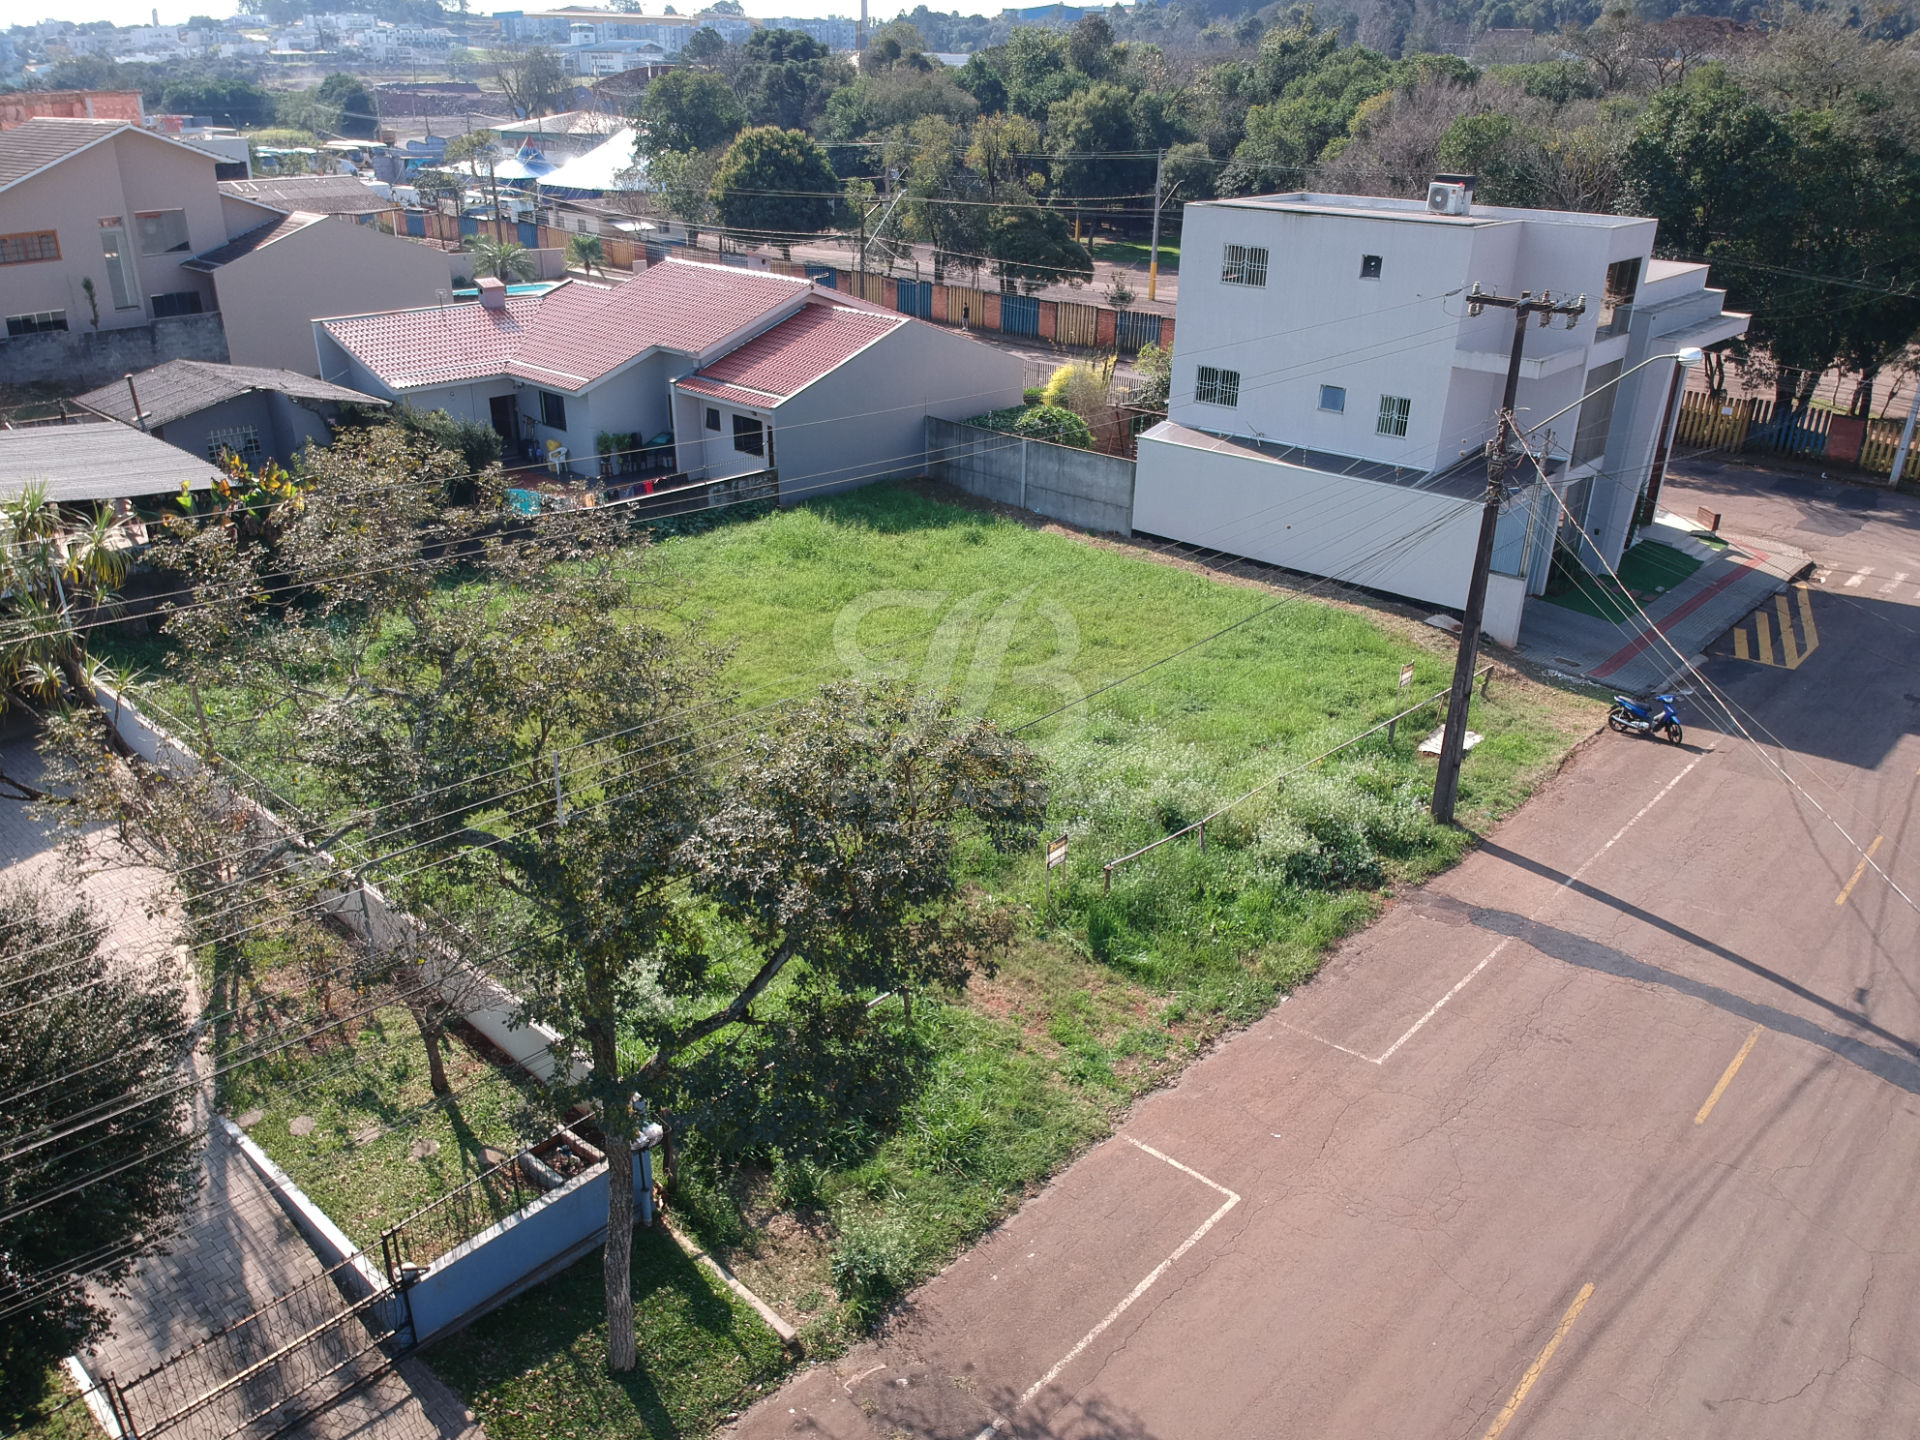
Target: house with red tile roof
{"points": [[736, 370]]}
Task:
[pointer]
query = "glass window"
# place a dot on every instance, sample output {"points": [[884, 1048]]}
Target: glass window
{"points": [[176, 302], [1596, 414], [1217, 387], [36, 245], [1394, 410], [748, 437], [713, 418], [120, 278], [37, 322], [1244, 265], [553, 410], [1616, 306], [161, 231], [1334, 398], [1369, 267], [242, 440]]}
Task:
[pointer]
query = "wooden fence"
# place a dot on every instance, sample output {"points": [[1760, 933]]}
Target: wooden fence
{"points": [[1710, 422]]}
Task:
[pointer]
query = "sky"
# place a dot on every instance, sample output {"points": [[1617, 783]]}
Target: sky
{"points": [[176, 12]]}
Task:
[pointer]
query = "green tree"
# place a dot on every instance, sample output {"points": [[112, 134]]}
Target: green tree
{"points": [[506, 260], [587, 252], [683, 179], [531, 79], [103, 1049], [347, 98], [1056, 425], [775, 185], [785, 78], [687, 110], [229, 101], [1033, 246]]}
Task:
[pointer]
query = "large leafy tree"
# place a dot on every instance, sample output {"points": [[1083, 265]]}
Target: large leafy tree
{"points": [[775, 185], [688, 110], [786, 77], [101, 1044], [1033, 246], [349, 100]]}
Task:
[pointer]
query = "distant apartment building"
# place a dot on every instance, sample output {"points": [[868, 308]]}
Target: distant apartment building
{"points": [[583, 26], [1333, 389], [836, 32]]}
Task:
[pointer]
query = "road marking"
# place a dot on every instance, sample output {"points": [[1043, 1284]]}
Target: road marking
{"points": [[1726, 1078], [1505, 1417], [1854, 580], [1791, 650], [1858, 871], [1806, 617], [1753, 637], [1585, 865], [1740, 645], [1000, 1421], [1765, 633], [1893, 584]]}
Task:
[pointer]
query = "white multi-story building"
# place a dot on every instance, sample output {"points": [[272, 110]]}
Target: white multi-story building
{"points": [[1333, 390]]}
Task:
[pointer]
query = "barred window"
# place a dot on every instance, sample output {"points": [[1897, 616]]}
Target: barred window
{"points": [[36, 245], [242, 440], [1394, 410], [1244, 265], [1217, 387]]}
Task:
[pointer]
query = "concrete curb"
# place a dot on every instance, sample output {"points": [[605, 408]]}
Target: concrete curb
{"points": [[96, 1402], [789, 1337]]}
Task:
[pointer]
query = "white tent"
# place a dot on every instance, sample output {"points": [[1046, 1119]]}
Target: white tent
{"points": [[610, 165]]}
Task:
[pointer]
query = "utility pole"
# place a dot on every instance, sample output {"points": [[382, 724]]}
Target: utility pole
{"points": [[1453, 739], [1153, 250]]}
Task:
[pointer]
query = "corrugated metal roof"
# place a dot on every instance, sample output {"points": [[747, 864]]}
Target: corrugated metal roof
{"points": [[97, 462], [792, 355], [186, 387], [322, 194], [441, 344]]}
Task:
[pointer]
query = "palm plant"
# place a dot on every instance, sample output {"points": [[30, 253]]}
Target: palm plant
{"points": [[50, 571], [588, 253], [502, 259]]}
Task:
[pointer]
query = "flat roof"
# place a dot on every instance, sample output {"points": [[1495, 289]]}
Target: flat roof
{"points": [[1466, 479], [1393, 207]]}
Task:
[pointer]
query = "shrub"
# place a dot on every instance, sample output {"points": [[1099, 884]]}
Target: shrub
{"points": [[1057, 426], [1079, 387], [872, 1264]]}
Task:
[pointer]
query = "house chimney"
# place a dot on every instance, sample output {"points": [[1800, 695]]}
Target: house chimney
{"points": [[493, 293]]}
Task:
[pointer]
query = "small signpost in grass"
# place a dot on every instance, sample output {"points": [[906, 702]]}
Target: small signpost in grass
{"points": [[1056, 856]]}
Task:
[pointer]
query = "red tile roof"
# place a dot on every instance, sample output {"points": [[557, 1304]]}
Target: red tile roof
{"points": [[440, 345], [582, 333], [792, 355]]}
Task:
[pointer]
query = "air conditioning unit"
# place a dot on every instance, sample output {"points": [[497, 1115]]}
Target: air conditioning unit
{"points": [[1446, 199]]}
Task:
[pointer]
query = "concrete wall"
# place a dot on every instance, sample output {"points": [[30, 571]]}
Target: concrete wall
{"points": [[85, 358], [270, 298], [1095, 492], [132, 172]]}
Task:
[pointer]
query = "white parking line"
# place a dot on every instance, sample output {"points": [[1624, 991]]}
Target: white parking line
{"points": [[1000, 1421], [1491, 955], [1854, 580], [1893, 584]]}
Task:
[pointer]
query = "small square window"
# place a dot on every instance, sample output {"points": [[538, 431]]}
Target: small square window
{"points": [[1369, 267], [1244, 265], [553, 410], [1334, 398], [713, 418], [1216, 387], [177, 302], [161, 231], [748, 436], [1394, 410]]}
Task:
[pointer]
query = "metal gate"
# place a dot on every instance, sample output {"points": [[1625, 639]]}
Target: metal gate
{"points": [[1019, 315], [1134, 328], [1075, 324], [914, 297], [271, 1371]]}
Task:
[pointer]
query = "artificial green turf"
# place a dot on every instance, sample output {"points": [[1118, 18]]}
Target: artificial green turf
{"points": [[1648, 569]]}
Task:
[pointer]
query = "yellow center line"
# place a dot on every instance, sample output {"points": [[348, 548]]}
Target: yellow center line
{"points": [[1726, 1078], [1505, 1417], [1858, 871]]}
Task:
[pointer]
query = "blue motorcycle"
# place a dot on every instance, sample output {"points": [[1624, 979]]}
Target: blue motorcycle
{"points": [[1630, 717]]}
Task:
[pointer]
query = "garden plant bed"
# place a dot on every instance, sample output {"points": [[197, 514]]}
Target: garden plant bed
{"points": [[1155, 693]]}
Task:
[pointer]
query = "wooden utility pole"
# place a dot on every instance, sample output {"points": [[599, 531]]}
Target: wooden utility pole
{"points": [[1446, 781]]}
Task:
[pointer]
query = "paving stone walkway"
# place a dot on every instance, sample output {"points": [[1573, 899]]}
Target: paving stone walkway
{"points": [[238, 1250]]}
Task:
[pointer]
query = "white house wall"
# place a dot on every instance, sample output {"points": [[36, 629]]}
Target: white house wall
{"points": [[867, 420]]}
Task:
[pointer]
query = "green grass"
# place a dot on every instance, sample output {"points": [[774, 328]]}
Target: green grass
{"points": [[535, 1369], [60, 1415], [1132, 252], [367, 1090], [1647, 570], [1103, 996]]}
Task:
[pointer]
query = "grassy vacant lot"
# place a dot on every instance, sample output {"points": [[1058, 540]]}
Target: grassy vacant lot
{"points": [[61, 1415], [1156, 693], [1132, 252]]}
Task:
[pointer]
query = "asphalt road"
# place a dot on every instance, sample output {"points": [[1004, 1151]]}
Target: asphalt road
{"points": [[1611, 1131]]}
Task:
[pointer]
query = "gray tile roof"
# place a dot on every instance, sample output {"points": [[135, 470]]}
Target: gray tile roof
{"points": [[186, 387], [323, 194], [246, 243], [30, 147], [100, 461]]}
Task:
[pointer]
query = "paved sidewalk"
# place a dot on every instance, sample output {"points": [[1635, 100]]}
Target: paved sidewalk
{"points": [[238, 1250], [1629, 656]]}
